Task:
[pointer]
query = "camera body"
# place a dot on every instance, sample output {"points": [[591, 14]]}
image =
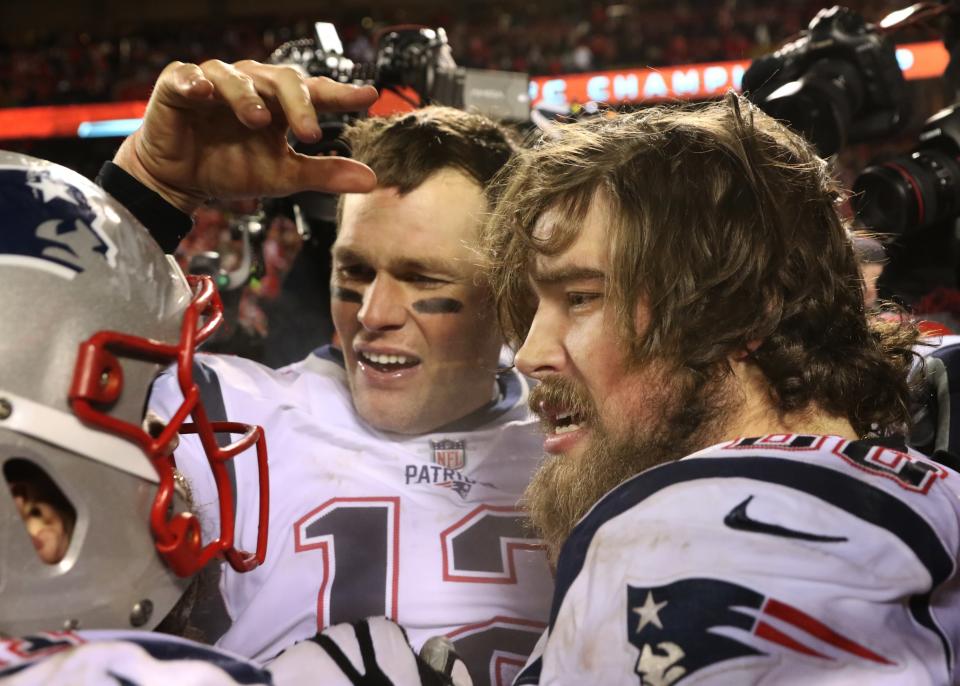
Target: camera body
{"points": [[418, 59], [838, 82], [409, 60]]}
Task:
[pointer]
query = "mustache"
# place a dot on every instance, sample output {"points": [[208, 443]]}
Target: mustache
{"points": [[559, 393]]}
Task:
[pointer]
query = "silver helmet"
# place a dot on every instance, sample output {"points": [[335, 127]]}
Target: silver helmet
{"points": [[93, 311]]}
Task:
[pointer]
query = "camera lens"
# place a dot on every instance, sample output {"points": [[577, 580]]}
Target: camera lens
{"points": [[821, 104], [908, 193]]}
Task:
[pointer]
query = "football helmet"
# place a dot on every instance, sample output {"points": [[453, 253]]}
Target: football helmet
{"points": [[93, 311]]}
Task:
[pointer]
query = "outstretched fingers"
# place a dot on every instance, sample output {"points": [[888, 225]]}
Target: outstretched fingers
{"points": [[181, 85], [239, 91], [301, 98]]}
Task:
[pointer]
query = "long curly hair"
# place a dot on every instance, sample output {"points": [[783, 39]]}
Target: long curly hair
{"points": [[724, 225]]}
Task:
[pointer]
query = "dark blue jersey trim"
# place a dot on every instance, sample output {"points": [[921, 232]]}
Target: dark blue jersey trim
{"points": [[330, 354], [163, 648], [209, 614], [846, 492], [529, 675], [509, 385], [212, 397], [121, 681], [510, 389], [10, 671], [241, 671]]}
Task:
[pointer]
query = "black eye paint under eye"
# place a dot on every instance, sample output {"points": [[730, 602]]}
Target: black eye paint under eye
{"points": [[438, 306], [347, 295]]}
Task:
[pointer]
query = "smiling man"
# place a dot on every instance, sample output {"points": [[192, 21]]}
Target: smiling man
{"points": [[398, 457], [419, 335], [685, 291]]}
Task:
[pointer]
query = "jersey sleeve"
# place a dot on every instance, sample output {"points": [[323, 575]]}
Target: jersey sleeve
{"points": [[130, 658], [750, 570]]}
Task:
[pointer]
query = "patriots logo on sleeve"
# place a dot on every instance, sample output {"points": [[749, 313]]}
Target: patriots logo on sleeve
{"points": [[50, 224], [27, 648], [685, 626]]}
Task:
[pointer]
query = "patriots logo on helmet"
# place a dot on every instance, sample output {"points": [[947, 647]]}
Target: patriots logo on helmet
{"points": [[59, 233], [685, 626]]}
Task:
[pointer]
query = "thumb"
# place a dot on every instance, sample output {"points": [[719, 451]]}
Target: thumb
{"points": [[327, 175]]}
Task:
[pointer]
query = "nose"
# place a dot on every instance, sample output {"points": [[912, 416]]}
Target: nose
{"points": [[542, 352], [383, 307]]}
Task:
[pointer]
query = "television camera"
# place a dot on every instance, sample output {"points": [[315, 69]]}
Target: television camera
{"points": [[839, 82]]}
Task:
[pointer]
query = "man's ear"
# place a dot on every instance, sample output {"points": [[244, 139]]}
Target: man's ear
{"points": [[748, 349]]}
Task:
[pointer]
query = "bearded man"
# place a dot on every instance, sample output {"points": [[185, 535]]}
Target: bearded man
{"points": [[687, 296]]}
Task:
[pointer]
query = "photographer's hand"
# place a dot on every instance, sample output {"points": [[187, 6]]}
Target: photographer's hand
{"points": [[219, 130]]}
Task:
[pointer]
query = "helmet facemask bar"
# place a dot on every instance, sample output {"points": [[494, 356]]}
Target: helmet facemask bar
{"points": [[97, 382]]}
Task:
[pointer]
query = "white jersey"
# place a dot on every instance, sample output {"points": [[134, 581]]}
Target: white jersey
{"points": [[133, 658], [424, 530], [345, 655], [778, 560]]}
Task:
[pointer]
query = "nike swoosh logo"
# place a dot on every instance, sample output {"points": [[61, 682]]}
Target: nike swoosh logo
{"points": [[738, 519]]}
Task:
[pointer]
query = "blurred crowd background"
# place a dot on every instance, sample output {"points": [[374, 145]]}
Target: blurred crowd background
{"points": [[54, 53], [108, 60]]}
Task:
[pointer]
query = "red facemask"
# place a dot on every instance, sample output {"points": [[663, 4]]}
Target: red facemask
{"points": [[97, 381]]}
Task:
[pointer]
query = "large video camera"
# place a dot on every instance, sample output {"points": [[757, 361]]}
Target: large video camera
{"points": [[838, 82], [416, 64], [414, 58]]}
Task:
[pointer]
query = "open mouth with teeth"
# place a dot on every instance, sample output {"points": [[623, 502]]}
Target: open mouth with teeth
{"points": [[387, 363], [565, 423]]}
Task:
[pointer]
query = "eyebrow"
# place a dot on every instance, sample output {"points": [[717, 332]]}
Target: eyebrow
{"points": [[562, 275], [402, 265], [346, 254]]}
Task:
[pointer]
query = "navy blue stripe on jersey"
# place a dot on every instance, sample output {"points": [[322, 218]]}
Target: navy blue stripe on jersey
{"points": [[10, 671], [330, 354], [857, 497], [509, 386], [209, 613], [529, 675], [165, 648], [510, 389], [242, 671], [212, 397]]}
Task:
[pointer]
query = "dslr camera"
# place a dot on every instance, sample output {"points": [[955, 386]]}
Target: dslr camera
{"points": [[838, 82]]}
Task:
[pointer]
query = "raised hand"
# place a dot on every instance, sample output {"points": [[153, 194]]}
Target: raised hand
{"points": [[219, 130]]}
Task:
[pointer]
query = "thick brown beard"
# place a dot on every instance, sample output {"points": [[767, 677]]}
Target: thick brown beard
{"points": [[693, 414]]}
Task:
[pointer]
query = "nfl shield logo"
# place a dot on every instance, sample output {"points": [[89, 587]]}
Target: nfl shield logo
{"points": [[449, 454]]}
